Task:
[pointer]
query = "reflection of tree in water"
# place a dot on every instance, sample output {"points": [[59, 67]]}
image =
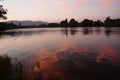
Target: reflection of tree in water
{"points": [[65, 31], [19, 33], [112, 31], [87, 30], [98, 30], [71, 31], [108, 31], [12, 34]]}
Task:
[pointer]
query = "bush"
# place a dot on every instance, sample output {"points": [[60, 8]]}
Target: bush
{"points": [[11, 69]]}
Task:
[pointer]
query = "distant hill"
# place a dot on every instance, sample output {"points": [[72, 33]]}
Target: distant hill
{"points": [[27, 22]]}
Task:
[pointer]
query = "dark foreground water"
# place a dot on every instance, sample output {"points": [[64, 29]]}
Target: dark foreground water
{"points": [[65, 53]]}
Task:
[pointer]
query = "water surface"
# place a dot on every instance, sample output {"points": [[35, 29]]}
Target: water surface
{"points": [[65, 53]]}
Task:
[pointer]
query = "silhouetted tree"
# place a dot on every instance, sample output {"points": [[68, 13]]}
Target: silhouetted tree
{"points": [[86, 23], [111, 22], [43, 25], [64, 23], [5, 26], [108, 21], [73, 23], [117, 22], [3, 12], [98, 23], [53, 25]]}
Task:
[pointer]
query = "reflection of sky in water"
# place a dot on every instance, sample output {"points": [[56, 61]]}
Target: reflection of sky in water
{"points": [[52, 47]]}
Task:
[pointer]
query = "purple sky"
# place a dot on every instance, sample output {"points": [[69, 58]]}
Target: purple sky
{"points": [[57, 10]]}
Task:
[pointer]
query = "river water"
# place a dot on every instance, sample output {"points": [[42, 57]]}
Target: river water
{"points": [[65, 53]]}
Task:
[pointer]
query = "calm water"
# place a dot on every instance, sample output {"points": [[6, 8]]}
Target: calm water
{"points": [[65, 53]]}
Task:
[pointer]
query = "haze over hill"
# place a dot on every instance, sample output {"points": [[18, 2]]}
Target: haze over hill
{"points": [[27, 22]]}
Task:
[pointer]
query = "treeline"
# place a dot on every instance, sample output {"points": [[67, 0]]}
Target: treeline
{"points": [[4, 26], [108, 22]]}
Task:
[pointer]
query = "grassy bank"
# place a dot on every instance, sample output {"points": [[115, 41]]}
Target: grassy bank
{"points": [[11, 69]]}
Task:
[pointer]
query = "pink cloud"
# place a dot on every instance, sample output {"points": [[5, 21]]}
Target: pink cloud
{"points": [[71, 5], [64, 5], [40, 1], [107, 2], [61, 5], [80, 3]]}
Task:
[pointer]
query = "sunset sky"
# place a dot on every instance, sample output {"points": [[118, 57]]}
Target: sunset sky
{"points": [[57, 10]]}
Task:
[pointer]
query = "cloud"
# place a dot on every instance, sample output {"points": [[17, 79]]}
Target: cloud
{"points": [[107, 2], [72, 5], [65, 5], [61, 5], [80, 3]]}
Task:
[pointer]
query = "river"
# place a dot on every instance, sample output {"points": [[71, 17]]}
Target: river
{"points": [[73, 53]]}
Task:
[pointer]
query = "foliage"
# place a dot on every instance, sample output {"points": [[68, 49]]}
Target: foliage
{"points": [[5, 26], [73, 23], [53, 25], [3, 12], [98, 23], [10, 69], [86, 23], [111, 22], [64, 23], [108, 22]]}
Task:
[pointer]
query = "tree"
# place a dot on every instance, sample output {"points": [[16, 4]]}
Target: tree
{"points": [[3, 12], [111, 22], [73, 23], [53, 25], [108, 19], [64, 23], [98, 23], [87, 23]]}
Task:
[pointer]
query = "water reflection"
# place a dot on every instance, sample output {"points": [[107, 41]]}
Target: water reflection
{"points": [[67, 31], [77, 64], [65, 53], [89, 30], [112, 31], [21, 32]]}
